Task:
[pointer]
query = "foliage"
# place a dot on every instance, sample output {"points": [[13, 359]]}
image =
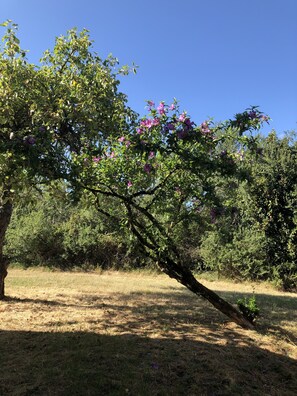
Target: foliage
{"points": [[273, 195], [162, 173], [66, 120], [49, 113], [51, 230], [249, 308], [52, 110], [235, 253], [253, 235]]}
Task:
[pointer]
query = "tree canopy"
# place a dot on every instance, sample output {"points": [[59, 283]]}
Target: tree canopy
{"points": [[51, 111], [65, 119]]}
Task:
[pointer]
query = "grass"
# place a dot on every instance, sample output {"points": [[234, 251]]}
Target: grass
{"points": [[132, 334]]}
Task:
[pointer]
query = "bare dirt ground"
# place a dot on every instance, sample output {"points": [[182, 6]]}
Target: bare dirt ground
{"points": [[137, 334]]}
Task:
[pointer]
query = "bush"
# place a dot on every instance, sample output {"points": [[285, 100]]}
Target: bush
{"points": [[249, 308], [54, 233], [241, 256]]}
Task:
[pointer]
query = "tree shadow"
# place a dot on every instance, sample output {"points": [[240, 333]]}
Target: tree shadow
{"points": [[12, 300], [177, 311], [81, 363], [274, 310], [182, 312]]}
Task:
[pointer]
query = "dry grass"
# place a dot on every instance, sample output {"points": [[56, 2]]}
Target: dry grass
{"points": [[132, 334]]}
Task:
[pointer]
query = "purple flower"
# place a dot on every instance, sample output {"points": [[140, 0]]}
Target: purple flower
{"points": [[182, 134], [213, 215], [30, 140], [205, 128], [129, 184], [189, 123], [252, 115], [170, 126], [147, 168]]}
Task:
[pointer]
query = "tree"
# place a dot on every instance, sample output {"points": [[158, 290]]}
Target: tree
{"points": [[162, 173], [254, 235], [273, 201], [66, 120], [50, 111]]}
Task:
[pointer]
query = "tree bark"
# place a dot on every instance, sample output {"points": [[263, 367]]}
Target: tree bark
{"points": [[175, 268], [5, 216], [185, 277]]}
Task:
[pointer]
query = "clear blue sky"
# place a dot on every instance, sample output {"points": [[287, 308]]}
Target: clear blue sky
{"points": [[217, 57]]}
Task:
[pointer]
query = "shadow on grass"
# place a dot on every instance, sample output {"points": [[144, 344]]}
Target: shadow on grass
{"points": [[274, 310], [33, 301], [180, 311], [177, 311], [43, 363]]}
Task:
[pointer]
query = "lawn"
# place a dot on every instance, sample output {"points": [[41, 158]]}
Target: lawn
{"points": [[138, 334]]}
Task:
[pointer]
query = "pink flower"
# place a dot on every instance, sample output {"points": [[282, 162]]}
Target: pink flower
{"points": [[172, 107], [128, 143], [156, 121], [182, 117], [139, 131], [147, 123], [147, 168], [161, 108], [129, 184], [121, 139], [151, 155], [110, 155], [97, 159], [204, 127]]}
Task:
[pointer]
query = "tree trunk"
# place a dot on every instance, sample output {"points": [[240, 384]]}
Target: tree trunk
{"points": [[185, 277], [5, 216], [174, 267]]}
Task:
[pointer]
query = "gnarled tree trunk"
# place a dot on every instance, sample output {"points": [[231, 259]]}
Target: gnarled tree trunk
{"points": [[184, 276], [172, 265], [5, 216]]}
